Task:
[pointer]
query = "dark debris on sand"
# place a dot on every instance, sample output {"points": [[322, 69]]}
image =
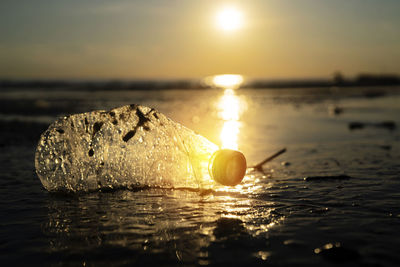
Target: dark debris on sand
{"points": [[326, 178], [389, 125]]}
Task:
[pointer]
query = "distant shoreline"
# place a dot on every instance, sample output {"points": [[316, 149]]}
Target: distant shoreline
{"points": [[97, 85]]}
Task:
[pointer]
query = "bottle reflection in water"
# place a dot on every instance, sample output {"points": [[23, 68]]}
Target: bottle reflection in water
{"points": [[128, 147]]}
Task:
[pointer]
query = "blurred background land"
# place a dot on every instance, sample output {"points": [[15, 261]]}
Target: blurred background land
{"points": [[366, 80]]}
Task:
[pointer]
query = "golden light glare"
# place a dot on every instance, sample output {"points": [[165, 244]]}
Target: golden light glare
{"points": [[230, 107], [229, 135], [228, 81], [229, 19]]}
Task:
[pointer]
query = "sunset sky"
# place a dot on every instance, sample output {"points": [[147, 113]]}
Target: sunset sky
{"points": [[186, 39]]}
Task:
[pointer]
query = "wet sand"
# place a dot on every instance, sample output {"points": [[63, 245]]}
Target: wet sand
{"points": [[333, 197]]}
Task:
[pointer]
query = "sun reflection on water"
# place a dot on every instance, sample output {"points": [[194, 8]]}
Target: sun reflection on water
{"points": [[229, 105], [230, 108]]}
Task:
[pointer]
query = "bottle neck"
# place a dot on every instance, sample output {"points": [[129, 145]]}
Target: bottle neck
{"points": [[227, 167]]}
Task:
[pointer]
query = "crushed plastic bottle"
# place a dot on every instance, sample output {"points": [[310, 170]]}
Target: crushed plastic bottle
{"points": [[131, 146]]}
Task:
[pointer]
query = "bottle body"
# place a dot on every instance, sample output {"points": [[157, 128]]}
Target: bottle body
{"points": [[126, 147]]}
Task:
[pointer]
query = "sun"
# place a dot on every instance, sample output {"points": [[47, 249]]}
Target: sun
{"points": [[229, 19]]}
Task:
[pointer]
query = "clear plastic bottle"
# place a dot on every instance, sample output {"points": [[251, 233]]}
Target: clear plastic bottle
{"points": [[128, 147]]}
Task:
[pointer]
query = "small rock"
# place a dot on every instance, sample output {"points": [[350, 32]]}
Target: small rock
{"points": [[373, 93], [335, 110], [390, 125], [356, 125]]}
